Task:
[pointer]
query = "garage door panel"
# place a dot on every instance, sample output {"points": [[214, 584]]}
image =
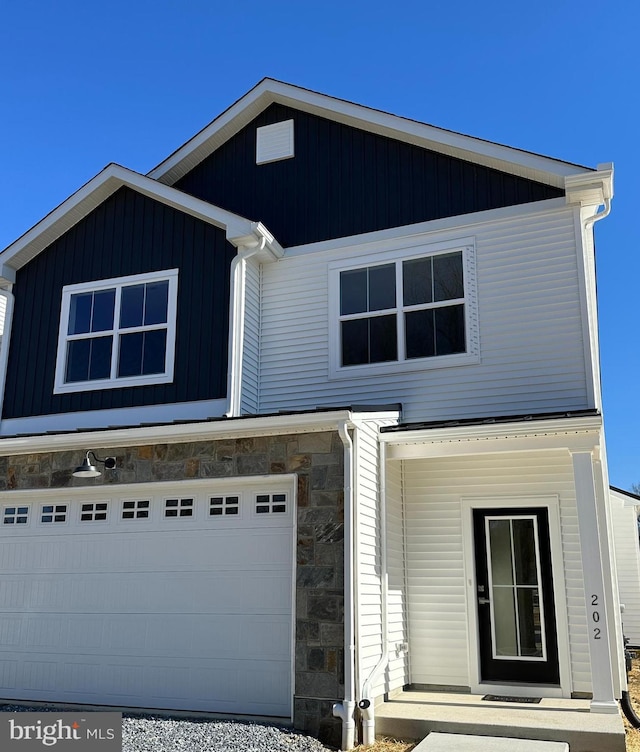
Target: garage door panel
{"points": [[192, 614], [246, 686]]}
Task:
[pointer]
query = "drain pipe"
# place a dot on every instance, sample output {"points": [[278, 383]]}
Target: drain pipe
{"points": [[345, 710], [366, 704], [597, 217], [236, 325]]}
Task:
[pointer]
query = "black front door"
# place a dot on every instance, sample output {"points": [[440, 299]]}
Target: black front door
{"points": [[516, 613]]}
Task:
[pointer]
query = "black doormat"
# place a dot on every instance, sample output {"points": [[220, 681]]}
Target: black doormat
{"points": [[507, 698]]}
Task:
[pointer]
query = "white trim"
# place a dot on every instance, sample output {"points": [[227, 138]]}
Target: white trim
{"points": [[122, 416], [268, 425], [397, 256], [552, 504], [114, 382], [268, 91], [6, 342]]}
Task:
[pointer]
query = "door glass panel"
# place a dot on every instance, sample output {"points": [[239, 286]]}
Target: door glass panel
{"points": [[500, 546], [530, 623], [524, 548], [517, 617], [506, 633]]}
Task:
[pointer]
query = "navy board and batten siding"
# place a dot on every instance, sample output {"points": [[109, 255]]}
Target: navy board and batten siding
{"points": [[127, 234], [345, 181]]}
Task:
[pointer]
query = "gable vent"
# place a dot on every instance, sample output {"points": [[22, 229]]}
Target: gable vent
{"points": [[274, 142]]}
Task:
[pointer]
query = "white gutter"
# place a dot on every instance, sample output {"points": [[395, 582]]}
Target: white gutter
{"points": [[345, 709], [6, 338], [366, 704]]}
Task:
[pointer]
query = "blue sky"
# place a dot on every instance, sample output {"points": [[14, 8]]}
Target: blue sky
{"points": [[84, 84]]}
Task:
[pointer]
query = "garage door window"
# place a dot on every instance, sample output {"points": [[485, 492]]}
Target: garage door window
{"points": [[53, 513], [96, 512], [271, 503], [178, 508], [15, 515], [135, 510], [221, 506]]}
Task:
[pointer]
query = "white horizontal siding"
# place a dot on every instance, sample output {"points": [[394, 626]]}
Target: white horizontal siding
{"points": [[531, 343], [438, 620], [627, 557]]}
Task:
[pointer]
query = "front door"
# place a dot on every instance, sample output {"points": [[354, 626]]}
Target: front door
{"points": [[516, 613]]}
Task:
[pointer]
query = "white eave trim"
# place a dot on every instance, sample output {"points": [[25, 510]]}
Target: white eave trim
{"points": [[592, 188], [97, 190], [267, 425], [573, 434], [505, 158]]}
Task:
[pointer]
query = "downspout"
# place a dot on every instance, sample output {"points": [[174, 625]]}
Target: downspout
{"points": [[366, 704], [590, 221], [345, 710], [6, 338], [236, 326]]}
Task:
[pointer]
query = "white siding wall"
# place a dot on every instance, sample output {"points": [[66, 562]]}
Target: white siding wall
{"points": [[251, 352], [531, 337], [369, 563], [627, 555], [438, 630]]}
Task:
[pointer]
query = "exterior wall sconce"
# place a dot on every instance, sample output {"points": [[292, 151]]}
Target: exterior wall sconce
{"points": [[87, 470]]}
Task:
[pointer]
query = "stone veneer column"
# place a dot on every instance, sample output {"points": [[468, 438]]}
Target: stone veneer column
{"points": [[317, 460]]}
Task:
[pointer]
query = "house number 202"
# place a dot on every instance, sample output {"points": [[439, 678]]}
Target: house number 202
{"points": [[595, 616]]}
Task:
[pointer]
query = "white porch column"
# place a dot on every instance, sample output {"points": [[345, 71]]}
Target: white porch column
{"points": [[594, 585]]}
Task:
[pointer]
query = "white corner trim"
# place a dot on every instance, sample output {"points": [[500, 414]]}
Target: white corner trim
{"points": [[6, 341]]}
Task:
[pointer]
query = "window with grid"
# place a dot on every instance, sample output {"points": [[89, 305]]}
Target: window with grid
{"points": [[403, 310], [271, 503], [117, 332], [53, 513], [94, 512], [178, 508], [15, 515], [220, 506], [135, 510]]}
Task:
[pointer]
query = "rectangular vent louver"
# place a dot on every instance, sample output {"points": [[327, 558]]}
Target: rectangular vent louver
{"points": [[274, 142]]}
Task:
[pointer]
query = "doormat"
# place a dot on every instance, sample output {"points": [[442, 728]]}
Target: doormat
{"points": [[507, 698]]}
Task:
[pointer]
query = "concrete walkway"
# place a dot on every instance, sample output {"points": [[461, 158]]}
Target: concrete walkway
{"points": [[437, 742]]}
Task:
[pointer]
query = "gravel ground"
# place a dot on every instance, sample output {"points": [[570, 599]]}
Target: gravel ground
{"points": [[152, 734]]}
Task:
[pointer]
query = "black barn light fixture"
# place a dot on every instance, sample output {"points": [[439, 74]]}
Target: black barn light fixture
{"points": [[87, 470]]}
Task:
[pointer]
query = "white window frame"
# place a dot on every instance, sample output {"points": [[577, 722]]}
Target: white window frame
{"points": [[113, 382], [472, 355]]}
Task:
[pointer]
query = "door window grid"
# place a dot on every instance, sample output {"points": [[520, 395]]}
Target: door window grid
{"points": [[514, 589], [178, 508], [53, 513], [15, 515], [135, 510], [271, 503], [94, 512], [220, 506]]}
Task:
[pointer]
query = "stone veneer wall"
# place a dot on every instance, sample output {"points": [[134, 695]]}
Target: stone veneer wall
{"points": [[317, 460]]}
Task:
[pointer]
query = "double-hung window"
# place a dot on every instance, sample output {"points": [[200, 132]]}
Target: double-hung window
{"points": [[416, 311], [117, 332]]}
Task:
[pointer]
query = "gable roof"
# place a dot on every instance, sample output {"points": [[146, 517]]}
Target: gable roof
{"points": [[268, 91], [239, 230]]}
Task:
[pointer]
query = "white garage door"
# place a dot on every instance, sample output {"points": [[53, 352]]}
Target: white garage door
{"points": [[149, 596]]}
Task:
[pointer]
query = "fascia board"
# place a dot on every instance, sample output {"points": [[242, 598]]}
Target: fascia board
{"points": [[572, 433], [177, 433], [92, 194], [498, 156]]}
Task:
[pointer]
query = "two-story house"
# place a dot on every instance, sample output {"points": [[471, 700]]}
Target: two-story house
{"points": [[346, 364]]}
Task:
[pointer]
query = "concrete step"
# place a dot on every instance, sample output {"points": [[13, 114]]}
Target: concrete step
{"points": [[416, 715], [437, 742]]}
